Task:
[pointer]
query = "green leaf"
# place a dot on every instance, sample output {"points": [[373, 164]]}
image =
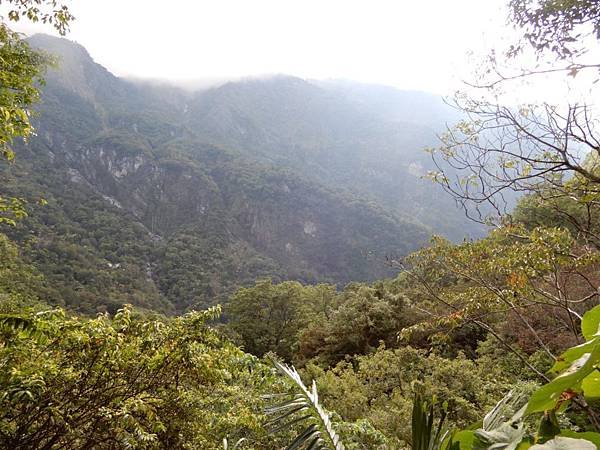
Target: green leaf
{"points": [[572, 354], [591, 386], [307, 401], [565, 443], [525, 444], [590, 323], [307, 435], [548, 395], [462, 440]]}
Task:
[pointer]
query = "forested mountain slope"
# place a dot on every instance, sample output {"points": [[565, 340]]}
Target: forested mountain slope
{"points": [[368, 140], [168, 199]]}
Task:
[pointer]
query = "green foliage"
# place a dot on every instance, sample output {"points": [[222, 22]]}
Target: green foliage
{"points": [[126, 382], [426, 434], [316, 323], [20, 283], [21, 69], [576, 212], [515, 366], [268, 317], [502, 282], [196, 267], [556, 26], [502, 426], [83, 270], [52, 12], [354, 322], [575, 383], [11, 210], [575, 371], [148, 208], [381, 387]]}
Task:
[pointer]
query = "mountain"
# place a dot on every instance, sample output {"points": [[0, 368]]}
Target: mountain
{"points": [[368, 140], [389, 104], [169, 199]]}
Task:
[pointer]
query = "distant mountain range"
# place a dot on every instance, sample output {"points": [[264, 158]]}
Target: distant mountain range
{"points": [[168, 199]]}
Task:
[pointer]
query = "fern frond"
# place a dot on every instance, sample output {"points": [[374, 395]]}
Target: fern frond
{"points": [[15, 323], [23, 327], [319, 432]]}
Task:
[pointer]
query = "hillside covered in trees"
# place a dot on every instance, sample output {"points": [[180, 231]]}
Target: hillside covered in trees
{"points": [[166, 199], [252, 266]]}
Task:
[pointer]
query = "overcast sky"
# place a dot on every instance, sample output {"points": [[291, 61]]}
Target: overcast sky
{"points": [[418, 44]]}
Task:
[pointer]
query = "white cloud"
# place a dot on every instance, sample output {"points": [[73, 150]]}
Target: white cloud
{"points": [[408, 44]]}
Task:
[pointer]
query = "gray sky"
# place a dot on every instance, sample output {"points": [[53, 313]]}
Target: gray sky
{"points": [[418, 44]]}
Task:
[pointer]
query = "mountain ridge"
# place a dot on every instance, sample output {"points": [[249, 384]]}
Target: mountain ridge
{"points": [[168, 199]]}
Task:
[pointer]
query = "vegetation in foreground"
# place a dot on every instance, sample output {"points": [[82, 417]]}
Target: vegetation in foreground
{"points": [[486, 344]]}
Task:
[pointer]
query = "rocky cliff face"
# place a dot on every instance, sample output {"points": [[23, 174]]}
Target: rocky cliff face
{"points": [[176, 199]]}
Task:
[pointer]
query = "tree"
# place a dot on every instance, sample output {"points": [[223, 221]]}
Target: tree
{"points": [[576, 381], [531, 281], [362, 318], [551, 155], [551, 152], [556, 26], [378, 389], [20, 283], [21, 71], [125, 381], [515, 284], [21, 67], [267, 317]]}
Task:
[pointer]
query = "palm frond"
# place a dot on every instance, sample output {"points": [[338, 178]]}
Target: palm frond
{"points": [[303, 408]]}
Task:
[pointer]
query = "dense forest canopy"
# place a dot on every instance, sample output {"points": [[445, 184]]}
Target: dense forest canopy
{"points": [[124, 218]]}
